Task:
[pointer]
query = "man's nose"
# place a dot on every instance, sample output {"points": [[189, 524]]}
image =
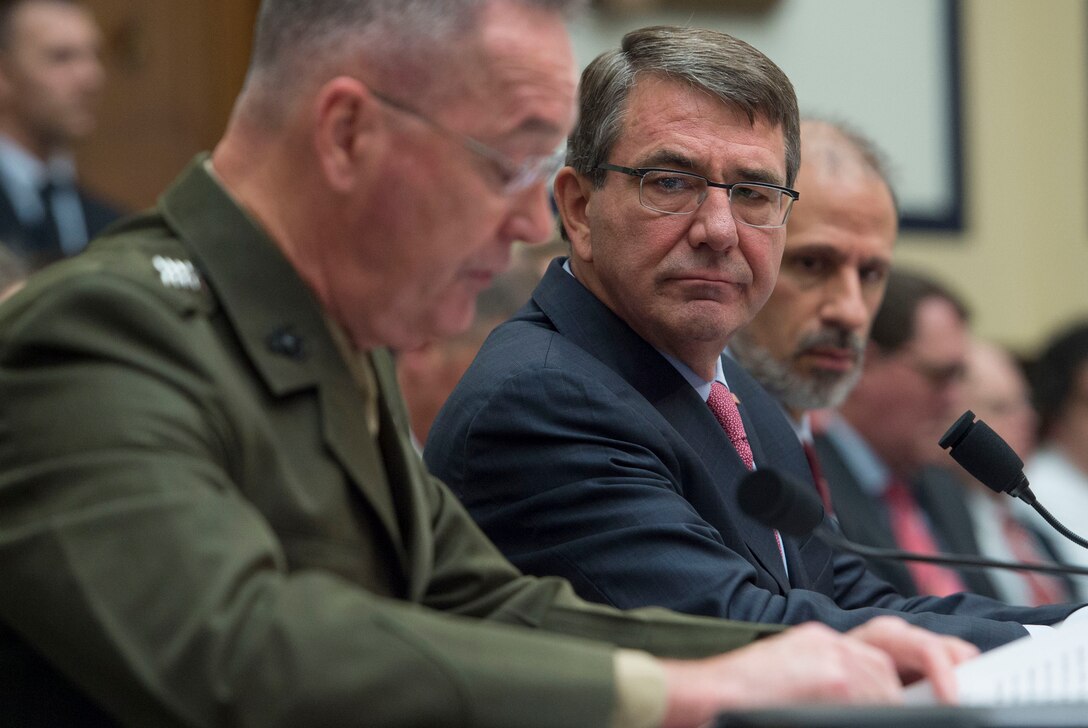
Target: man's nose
{"points": [[844, 304], [713, 223], [531, 218]]}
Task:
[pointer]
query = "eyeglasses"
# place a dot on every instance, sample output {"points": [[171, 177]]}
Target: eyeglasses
{"points": [[514, 176], [755, 204]]}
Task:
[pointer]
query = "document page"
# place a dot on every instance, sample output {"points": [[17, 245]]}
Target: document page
{"points": [[1048, 668]]}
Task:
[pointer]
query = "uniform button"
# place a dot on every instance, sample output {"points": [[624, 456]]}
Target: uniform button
{"points": [[286, 343]]}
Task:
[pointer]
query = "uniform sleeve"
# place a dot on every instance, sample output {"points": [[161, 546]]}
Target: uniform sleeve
{"points": [[137, 567]]}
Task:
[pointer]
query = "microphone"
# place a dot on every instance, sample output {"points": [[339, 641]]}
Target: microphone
{"points": [[985, 455], [779, 501]]}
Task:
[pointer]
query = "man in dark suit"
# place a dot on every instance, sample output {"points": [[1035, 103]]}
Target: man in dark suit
{"points": [[594, 437], [50, 82], [806, 346], [881, 456], [211, 512]]}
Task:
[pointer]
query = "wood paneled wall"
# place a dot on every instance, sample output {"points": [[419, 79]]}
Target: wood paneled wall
{"points": [[174, 68]]}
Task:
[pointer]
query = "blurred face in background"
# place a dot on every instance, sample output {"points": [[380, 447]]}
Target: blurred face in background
{"points": [[911, 394], [51, 75], [1070, 429], [997, 392]]}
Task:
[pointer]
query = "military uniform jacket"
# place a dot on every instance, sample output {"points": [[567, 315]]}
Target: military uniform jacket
{"points": [[197, 526]]}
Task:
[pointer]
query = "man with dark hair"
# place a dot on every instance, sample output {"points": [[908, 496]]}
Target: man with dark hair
{"points": [[879, 455], [600, 434], [1058, 472], [996, 390], [210, 509], [50, 82]]}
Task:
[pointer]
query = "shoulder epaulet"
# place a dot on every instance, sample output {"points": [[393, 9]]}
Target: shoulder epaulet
{"points": [[158, 262]]}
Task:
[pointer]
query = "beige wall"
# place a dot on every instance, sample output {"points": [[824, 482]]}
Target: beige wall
{"points": [[1022, 261]]}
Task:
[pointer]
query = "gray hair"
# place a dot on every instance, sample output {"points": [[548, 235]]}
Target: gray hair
{"points": [[719, 64], [294, 38]]}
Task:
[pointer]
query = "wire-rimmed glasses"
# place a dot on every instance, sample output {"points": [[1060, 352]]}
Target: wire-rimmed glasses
{"points": [[672, 192], [514, 176]]}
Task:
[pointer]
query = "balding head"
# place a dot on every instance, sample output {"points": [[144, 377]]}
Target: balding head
{"points": [[835, 153]]}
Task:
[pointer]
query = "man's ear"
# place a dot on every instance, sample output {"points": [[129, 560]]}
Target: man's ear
{"points": [[573, 194], [345, 129]]}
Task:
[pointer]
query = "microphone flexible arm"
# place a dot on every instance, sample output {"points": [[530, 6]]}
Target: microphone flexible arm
{"points": [[777, 501], [1049, 518], [834, 538]]}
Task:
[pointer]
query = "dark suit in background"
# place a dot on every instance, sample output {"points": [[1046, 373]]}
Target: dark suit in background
{"points": [[864, 518], [583, 452], [37, 243]]}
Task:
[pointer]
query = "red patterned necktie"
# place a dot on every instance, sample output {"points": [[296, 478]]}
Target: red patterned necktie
{"points": [[912, 534], [724, 407], [817, 475], [1043, 588]]}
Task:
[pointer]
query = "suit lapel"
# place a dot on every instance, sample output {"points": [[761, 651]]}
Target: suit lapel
{"points": [[279, 325]]}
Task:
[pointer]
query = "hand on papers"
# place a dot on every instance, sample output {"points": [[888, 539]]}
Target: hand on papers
{"points": [[917, 653], [812, 663]]}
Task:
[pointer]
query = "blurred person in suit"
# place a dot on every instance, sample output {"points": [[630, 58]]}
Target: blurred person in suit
{"points": [[807, 345], [211, 512], [879, 452], [51, 79], [1058, 470], [600, 434], [996, 390]]}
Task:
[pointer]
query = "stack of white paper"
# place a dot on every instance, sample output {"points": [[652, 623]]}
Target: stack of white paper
{"points": [[1048, 668]]}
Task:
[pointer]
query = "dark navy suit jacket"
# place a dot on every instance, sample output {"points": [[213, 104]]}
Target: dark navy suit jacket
{"points": [[582, 452], [34, 245]]}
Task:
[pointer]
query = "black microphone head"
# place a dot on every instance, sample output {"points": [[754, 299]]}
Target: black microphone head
{"points": [[982, 453], [957, 431], [779, 501]]}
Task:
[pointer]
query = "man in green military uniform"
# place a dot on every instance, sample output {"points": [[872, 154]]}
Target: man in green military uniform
{"points": [[210, 509]]}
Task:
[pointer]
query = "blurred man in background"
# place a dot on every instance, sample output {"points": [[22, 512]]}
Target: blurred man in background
{"points": [[51, 79], [997, 392], [1058, 472], [876, 454]]}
